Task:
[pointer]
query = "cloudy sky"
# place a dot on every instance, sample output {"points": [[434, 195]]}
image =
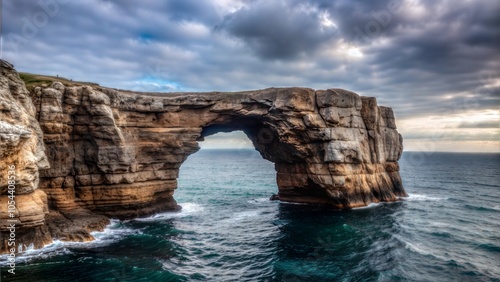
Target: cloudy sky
{"points": [[436, 63]]}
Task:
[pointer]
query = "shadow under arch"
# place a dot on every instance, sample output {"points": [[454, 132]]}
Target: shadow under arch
{"points": [[269, 139], [261, 132]]}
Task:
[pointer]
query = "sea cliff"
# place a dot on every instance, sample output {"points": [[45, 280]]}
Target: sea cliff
{"points": [[86, 153]]}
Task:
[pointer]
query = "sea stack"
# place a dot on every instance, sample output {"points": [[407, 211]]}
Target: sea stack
{"points": [[86, 153]]}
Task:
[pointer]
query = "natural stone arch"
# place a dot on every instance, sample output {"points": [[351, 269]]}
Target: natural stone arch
{"points": [[329, 147], [277, 134], [117, 153]]}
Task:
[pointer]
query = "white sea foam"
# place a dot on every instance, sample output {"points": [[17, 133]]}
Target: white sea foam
{"points": [[259, 201], [438, 224], [415, 247], [112, 233], [53, 249], [419, 197], [369, 206], [240, 216], [419, 248], [243, 215], [187, 210]]}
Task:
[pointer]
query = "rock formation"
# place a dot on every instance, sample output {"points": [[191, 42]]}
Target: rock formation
{"points": [[21, 147], [117, 153]]}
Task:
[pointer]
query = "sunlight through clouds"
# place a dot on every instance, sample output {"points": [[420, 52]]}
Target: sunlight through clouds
{"points": [[354, 52], [326, 21], [422, 58]]}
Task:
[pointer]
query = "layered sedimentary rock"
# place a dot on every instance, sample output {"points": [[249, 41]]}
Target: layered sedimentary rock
{"points": [[118, 153], [22, 156]]}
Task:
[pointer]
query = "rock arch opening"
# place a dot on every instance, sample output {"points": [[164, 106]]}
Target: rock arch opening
{"points": [[117, 153], [262, 132], [227, 169]]}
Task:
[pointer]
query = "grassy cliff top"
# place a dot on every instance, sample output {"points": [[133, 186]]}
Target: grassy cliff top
{"points": [[35, 80]]}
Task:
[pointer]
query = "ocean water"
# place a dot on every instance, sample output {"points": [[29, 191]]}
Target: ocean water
{"points": [[448, 229]]}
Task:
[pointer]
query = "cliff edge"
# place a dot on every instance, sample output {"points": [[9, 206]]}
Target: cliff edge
{"points": [[116, 153]]}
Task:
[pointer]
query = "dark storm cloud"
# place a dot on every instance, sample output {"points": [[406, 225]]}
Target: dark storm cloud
{"points": [[276, 29], [419, 57], [359, 20], [414, 51]]}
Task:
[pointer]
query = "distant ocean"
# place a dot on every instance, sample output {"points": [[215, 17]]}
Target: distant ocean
{"points": [[447, 230]]}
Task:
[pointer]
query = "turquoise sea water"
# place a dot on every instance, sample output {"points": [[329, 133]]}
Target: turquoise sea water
{"points": [[447, 230]]}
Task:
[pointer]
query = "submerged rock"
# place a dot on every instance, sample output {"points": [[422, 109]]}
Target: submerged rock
{"points": [[274, 197]]}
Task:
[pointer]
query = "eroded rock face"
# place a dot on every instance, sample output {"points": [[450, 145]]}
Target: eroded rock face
{"points": [[118, 153], [23, 155]]}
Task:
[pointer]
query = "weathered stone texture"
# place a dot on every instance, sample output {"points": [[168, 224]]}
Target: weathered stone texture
{"points": [[38, 185], [118, 153], [21, 146]]}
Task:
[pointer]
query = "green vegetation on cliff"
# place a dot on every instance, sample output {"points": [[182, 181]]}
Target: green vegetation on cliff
{"points": [[35, 80]]}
